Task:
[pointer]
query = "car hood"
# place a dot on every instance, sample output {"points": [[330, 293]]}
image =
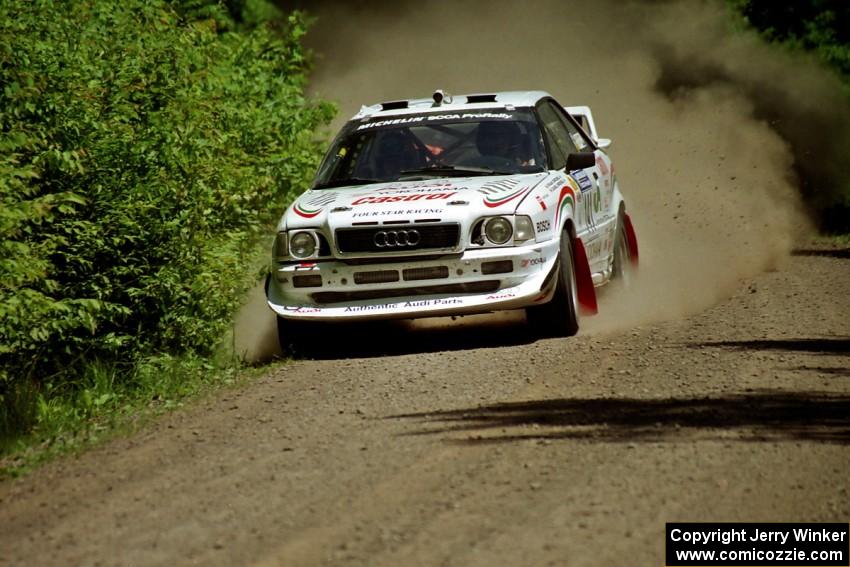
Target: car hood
{"points": [[452, 200]]}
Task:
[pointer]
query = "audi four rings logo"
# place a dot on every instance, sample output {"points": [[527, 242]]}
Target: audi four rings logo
{"points": [[396, 238]]}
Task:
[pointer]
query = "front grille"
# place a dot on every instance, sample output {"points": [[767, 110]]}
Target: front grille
{"points": [[324, 297], [400, 239]]}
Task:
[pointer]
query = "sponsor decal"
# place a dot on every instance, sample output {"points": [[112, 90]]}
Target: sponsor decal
{"points": [[322, 199], [500, 296], [566, 197], [392, 212], [603, 169], [313, 204], [543, 226], [498, 187], [434, 302], [527, 262], [300, 309], [435, 118], [357, 308], [553, 184], [307, 213], [413, 304], [393, 122], [540, 202], [583, 180], [497, 201], [414, 187], [578, 140], [378, 199], [594, 248]]}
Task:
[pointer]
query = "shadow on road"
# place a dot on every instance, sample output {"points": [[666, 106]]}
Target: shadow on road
{"points": [[824, 370], [824, 253], [757, 416], [838, 345], [383, 338]]}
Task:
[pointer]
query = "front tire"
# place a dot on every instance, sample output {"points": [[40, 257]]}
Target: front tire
{"points": [[292, 336], [622, 268], [559, 317]]}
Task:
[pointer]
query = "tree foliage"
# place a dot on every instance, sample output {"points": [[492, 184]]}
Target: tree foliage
{"points": [[144, 145], [822, 26]]}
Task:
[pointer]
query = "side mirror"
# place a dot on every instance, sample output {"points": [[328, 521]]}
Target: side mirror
{"points": [[580, 160], [604, 143]]}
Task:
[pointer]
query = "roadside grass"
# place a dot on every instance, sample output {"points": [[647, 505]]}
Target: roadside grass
{"points": [[106, 403], [838, 239]]}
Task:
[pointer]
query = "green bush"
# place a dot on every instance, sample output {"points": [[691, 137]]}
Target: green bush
{"points": [[144, 147], [821, 27]]}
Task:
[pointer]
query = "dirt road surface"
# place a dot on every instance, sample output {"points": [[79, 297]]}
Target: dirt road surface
{"points": [[477, 445]]}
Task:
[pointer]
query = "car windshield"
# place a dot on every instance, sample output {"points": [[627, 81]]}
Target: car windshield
{"points": [[422, 146]]}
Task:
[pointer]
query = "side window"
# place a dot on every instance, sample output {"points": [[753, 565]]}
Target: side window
{"points": [[578, 139], [557, 136]]}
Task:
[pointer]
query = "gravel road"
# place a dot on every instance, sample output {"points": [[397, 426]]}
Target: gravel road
{"points": [[476, 445]]}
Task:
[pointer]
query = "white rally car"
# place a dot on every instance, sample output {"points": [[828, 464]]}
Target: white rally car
{"points": [[453, 206]]}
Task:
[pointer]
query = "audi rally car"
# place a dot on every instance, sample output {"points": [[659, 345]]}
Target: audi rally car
{"points": [[454, 206]]}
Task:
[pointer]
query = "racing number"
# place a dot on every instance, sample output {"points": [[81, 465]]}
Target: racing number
{"points": [[590, 197], [587, 208]]}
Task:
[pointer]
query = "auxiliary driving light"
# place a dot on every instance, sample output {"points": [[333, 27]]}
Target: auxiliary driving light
{"points": [[280, 252]]}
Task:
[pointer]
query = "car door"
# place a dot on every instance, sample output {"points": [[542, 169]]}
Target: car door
{"points": [[599, 242], [564, 139]]}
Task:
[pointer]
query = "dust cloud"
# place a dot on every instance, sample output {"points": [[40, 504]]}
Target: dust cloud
{"points": [[713, 131]]}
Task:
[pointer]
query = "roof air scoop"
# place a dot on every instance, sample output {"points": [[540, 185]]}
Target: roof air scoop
{"points": [[472, 99], [440, 96], [394, 105]]}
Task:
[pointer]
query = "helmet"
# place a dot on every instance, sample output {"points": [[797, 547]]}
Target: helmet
{"points": [[501, 139], [395, 154]]}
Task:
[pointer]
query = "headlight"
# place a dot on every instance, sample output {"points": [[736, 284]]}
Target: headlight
{"points": [[302, 245], [498, 230], [280, 251], [524, 229]]}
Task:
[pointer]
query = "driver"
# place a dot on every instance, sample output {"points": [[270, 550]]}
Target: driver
{"points": [[396, 153], [503, 140]]}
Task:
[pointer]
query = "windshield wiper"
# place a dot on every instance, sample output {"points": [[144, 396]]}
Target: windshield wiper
{"points": [[348, 181], [454, 171]]}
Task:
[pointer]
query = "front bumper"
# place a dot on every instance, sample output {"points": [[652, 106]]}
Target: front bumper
{"points": [[424, 287]]}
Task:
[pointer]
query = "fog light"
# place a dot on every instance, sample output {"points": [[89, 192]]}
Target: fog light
{"points": [[500, 267], [280, 251], [307, 281]]}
